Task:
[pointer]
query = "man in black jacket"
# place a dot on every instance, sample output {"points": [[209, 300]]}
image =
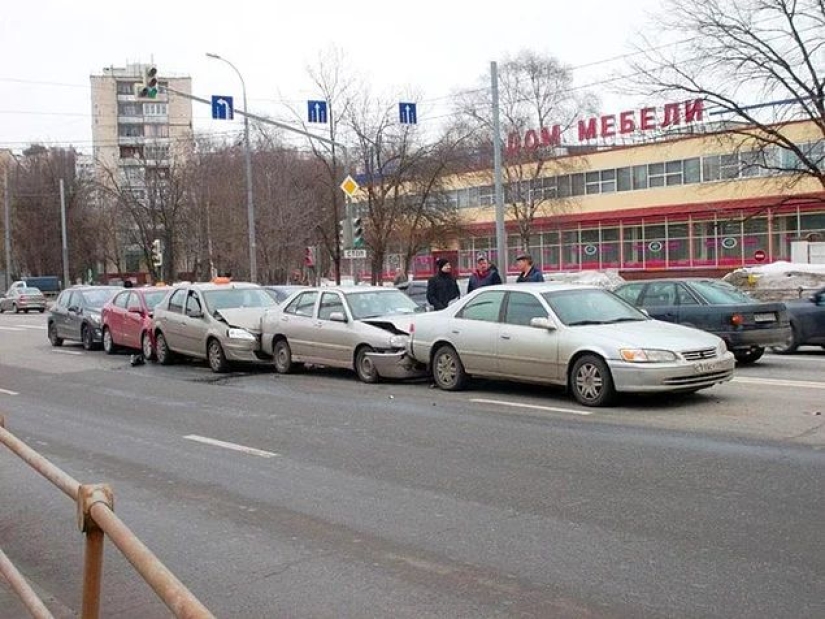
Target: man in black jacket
{"points": [[442, 287]]}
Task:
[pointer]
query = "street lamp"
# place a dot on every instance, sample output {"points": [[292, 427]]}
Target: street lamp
{"points": [[250, 207]]}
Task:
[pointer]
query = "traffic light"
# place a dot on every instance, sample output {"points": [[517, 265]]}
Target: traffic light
{"points": [[345, 233], [357, 232], [148, 88], [157, 253]]}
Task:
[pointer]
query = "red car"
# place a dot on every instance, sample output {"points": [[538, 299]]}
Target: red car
{"points": [[127, 320]]}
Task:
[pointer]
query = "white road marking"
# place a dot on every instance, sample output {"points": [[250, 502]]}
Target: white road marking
{"points": [[39, 328], [233, 446], [67, 352], [7, 392], [552, 409], [778, 382], [11, 329]]}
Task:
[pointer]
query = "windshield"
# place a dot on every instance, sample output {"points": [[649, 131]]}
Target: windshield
{"points": [[720, 293], [96, 299], [372, 303], [28, 290], [153, 298], [232, 298], [590, 306]]}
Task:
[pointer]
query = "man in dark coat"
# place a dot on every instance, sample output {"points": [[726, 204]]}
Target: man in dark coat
{"points": [[527, 271], [486, 274], [442, 287]]}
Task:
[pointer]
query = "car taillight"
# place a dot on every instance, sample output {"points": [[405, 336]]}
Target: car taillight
{"points": [[737, 320]]}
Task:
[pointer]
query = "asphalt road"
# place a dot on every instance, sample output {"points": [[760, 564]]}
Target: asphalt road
{"points": [[397, 500]]}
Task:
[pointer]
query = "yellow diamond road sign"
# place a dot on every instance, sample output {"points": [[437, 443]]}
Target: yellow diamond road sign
{"points": [[349, 186]]}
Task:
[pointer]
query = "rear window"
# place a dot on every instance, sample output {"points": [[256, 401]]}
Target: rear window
{"points": [[720, 293], [30, 291]]}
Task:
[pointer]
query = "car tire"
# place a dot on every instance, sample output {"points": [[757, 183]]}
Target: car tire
{"points": [[216, 357], [162, 351], [364, 367], [591, 382], [109, 346], [746, 357], [791, 344], [282, 357], [53, 339], [41, 310], [86, 337], [448, 370], [146, 346]]}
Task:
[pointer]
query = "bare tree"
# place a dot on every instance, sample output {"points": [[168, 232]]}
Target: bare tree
{"points": [[758, 64], [535, 94]]}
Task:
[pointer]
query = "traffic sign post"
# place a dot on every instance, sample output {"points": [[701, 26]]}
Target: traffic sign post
{"points": [[223, 107], [407, 114], [759, 255], [352, 254]]}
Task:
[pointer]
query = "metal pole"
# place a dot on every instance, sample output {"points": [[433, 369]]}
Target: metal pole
{"points": [[501, 239], [7, 226], [250, 206], [65, 245], [92, 574]]}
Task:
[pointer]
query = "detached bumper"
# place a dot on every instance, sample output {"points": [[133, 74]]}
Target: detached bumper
{"points": [[396, 365], [658, 377]]}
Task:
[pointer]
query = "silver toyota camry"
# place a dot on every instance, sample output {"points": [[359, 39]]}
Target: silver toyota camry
{"points": [[584, 338], [361, 327]]}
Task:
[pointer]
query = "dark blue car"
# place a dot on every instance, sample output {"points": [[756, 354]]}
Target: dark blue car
{"points": [[807, 323]]}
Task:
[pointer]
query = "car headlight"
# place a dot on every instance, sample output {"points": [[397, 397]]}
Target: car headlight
{"points": [[399, 341], [647, 355], [95, 318], [239, 334], [721, 349]]}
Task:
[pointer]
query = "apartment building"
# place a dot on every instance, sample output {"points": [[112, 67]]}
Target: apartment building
{"points": [[137, 140]]}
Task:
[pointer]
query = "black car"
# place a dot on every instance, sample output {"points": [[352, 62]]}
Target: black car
{"points": [[747, 325], [417, 290], [807, 323], [281, 292], [76, 315]]}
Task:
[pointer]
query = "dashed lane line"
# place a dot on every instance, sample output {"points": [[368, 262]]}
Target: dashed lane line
{"points": [[778, 382], [7, 392], [549, 409], [232, 446], [66, 352]]}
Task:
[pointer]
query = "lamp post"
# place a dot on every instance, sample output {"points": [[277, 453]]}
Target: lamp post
{"points": [[250, 207]]}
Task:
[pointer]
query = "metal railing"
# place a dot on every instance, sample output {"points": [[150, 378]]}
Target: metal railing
{"points": [[96, 517]]}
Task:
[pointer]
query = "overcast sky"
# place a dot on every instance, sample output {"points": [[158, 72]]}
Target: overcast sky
{"points": [[422, 47]]}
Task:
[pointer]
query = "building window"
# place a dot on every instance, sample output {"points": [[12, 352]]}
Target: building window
{"points": [[155, 109], [128, 109], [125, 88], [656, 175], [639, 177], [156, 131], [487, 195], [591, 181], [608, 181], [130, 131], [624, 179], [691, 170], [564, 189], [729, 166], [710, 168], [577, 184]]}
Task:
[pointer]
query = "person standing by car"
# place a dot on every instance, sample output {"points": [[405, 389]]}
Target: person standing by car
{"points": [[442, 287], [486, 274], [527, 270]]}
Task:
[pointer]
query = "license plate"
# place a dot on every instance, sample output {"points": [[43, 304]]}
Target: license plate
{"points": [[706, 366], [769, 317]]}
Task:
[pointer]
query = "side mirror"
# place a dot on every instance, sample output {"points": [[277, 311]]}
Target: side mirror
{"points": [[542, 323], [74, 308], [337, 317]]}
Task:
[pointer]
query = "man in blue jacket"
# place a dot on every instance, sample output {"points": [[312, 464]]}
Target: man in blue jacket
{"points": [[486, 274], [527, 271]]}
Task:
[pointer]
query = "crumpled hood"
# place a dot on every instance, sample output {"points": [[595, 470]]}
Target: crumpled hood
{"points": [[398, 324], [248, 318]]}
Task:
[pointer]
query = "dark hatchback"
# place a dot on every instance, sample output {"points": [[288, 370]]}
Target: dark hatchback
{"points": [[747, 326], [807, 323], [76, 315]]}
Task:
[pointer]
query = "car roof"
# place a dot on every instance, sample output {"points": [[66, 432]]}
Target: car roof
{"points": [[671, 279], [206, 286]]}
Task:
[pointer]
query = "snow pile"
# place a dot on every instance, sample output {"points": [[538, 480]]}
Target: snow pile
{"points": [[779, 281], [608, 278]]}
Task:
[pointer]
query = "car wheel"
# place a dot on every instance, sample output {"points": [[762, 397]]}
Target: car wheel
{"points": [[282, 357], [790, 345], [86, 337], [591, 382], [216, 357], [448, 371], [55, 341], [751, 355], [108, 343], [146, 346], [364, 367], [164, 354], [42, 309]]}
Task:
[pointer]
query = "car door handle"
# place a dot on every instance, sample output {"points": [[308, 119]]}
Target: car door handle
{"points": [[505, 336], [456, 331]]}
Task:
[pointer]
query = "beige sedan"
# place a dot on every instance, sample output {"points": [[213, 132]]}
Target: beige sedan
{"points": [[363, 328], [219, 322]]}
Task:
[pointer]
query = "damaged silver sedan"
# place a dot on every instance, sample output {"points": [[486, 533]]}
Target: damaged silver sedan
{"points": [[363, 328]]}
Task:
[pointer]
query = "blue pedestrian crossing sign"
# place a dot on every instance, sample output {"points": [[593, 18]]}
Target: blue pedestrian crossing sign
{"points": [[407, 114], [223, 107], [317, 112]]}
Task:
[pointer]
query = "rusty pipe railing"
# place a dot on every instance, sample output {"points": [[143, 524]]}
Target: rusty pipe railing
{"points": [[96, 517]]}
